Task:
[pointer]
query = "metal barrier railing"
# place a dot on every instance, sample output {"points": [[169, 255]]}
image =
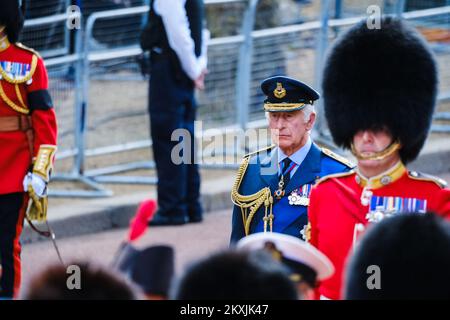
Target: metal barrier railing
{"points": [[249, 67], [52, 22], [345, 22], [73, 60], [65, 63], [85, 58], [103, 174]]}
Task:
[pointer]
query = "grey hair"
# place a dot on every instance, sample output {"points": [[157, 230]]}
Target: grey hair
{"points": [[307, 111]]}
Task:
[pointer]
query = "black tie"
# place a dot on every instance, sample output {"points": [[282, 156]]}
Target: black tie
{"points": [[286, 172]]}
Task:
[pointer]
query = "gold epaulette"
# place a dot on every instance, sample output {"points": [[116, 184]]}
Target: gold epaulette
{"points": [[258, 151], [426, 177], [337, 157], [334, 175], [34, 61], [24, 47], [21, 107]]}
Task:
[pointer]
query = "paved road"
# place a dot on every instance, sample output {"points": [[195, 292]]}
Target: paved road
{"points": [[190, 241]]}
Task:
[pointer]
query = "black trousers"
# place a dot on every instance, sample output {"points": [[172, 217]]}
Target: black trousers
{"points": [[172, 106], [12, 212]]}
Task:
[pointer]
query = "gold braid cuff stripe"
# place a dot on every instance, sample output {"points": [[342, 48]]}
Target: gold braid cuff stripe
{"points": [[44, 161]]}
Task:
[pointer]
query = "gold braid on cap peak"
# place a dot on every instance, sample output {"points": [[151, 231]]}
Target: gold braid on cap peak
{"points": [[284, 106], [252, 202]]}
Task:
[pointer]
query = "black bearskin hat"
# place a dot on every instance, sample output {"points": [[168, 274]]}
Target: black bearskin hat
{"points": [[381, 78], [12, 17], [411, 252]]}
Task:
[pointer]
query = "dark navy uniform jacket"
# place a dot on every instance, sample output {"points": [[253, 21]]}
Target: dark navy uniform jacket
{"points": [[288, 218]]}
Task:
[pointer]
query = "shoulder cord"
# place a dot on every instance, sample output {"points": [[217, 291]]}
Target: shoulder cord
{"points": [[253, 201]]}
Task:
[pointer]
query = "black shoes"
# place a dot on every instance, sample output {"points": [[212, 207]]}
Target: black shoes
{"points": [[195, 219], [160, 220]]}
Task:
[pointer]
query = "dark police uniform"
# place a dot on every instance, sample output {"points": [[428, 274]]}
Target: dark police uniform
{"points": [[172, 106], [260, 203]]}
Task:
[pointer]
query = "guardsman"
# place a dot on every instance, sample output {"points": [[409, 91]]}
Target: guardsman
{"points": [[380, 88], [28, 133], [306, 265], [271, 191]]}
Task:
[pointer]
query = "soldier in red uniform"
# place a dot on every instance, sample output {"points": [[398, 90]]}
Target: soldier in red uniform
{"points": [[28, 133], [380, 88]]}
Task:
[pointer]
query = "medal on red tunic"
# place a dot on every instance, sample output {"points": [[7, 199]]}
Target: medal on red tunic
{"points": [[383, 207], [366, 195]]}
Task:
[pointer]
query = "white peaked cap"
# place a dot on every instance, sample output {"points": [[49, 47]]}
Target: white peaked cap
{"points": [[291, 248]]}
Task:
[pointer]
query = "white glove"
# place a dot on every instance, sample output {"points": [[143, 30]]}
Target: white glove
{"points": [[38, 184]]}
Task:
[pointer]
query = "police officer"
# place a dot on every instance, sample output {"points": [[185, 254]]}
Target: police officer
{"points": [[177, 45], [380, 87], [28, 134], [271, 191]]}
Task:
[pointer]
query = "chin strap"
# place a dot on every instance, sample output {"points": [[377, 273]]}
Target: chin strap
{"points": [[377, 155]]}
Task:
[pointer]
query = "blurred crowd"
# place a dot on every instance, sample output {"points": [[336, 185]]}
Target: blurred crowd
{"points": [[411, 252]]}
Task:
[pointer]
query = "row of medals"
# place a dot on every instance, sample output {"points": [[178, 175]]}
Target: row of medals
{"points": [[302, 200], [294, 198]]}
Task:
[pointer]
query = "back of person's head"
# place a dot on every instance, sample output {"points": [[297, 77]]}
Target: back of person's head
{"points": [[78, 281], [307, 265], [151, 269], [236, 275], [403, 257]]}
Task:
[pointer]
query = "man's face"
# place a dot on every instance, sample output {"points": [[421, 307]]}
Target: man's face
{"points": [[289, 130], [368, 142]]}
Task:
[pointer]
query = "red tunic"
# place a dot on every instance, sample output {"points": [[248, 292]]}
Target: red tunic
{"points": [[15, 157], [336, 210]]}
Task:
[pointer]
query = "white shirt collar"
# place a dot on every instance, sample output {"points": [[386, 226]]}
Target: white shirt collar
{"points": [[299, 155]]}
